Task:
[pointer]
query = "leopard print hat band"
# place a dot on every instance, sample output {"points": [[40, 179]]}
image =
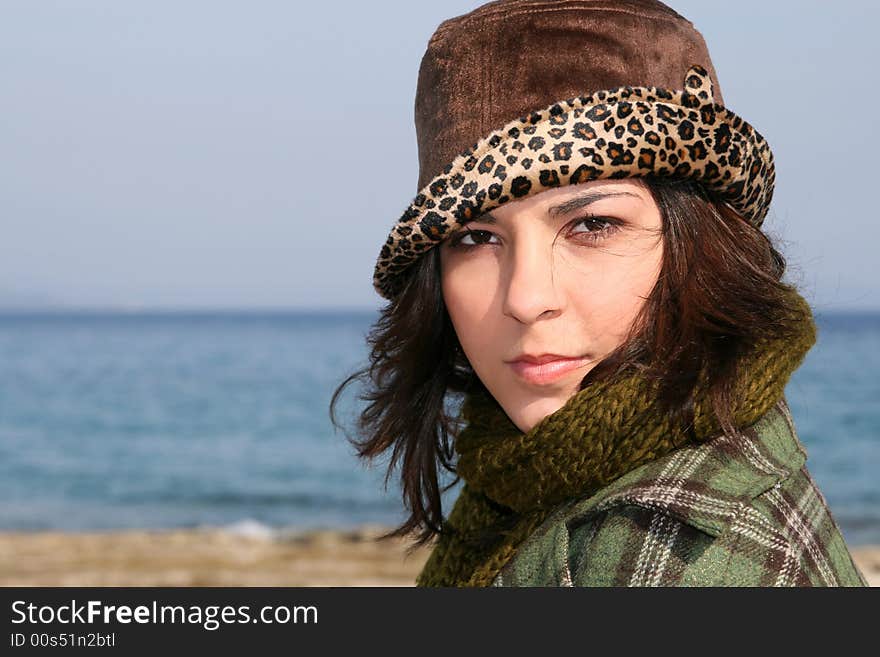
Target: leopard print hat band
{"points": [[679, 129]]}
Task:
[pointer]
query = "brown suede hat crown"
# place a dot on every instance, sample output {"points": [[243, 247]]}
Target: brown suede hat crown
{"points": [[519, 96]]}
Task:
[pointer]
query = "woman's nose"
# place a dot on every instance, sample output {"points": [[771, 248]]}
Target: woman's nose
{"points": [[528, 283]]}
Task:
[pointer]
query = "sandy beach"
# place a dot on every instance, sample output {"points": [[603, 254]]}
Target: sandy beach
{"points": [[221, 558]]}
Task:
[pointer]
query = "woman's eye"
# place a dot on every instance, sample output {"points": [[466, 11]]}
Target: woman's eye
{"points": [[595, 227], [592, 224], [471, 238]]}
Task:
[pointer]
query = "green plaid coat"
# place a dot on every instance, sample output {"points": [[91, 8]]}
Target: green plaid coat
{"points": [[728, 512]]}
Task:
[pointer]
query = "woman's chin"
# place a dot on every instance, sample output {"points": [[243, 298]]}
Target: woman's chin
{"points": [[525, 413]]}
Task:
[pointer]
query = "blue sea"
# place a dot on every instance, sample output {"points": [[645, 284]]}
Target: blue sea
{"points": [[158, 420]]}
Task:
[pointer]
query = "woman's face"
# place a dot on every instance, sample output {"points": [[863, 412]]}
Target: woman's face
{"points": [[558, 276]]}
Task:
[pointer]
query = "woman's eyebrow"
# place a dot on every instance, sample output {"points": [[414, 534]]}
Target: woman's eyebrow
{"points": [[583, 200]]}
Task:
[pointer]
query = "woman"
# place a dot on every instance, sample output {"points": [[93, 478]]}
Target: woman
{"points": [[584, 268]]}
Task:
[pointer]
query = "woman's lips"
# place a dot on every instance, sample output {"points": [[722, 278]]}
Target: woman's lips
{"points": [[542, 373]]}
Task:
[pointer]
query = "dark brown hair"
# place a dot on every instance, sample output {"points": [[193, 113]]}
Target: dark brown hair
{"points": [[719, 291]]}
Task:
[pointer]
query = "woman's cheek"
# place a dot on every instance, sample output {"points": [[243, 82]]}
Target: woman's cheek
{"points": [[464, 303]]}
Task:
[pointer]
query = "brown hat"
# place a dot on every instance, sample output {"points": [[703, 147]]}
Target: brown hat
{"points": [[519, 96]]}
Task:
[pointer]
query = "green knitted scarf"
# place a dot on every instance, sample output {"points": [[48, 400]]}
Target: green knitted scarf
{"points": [[514, 480]]}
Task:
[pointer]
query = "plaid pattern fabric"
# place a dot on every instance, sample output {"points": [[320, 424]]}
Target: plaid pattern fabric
{"points": [[740, 511]]}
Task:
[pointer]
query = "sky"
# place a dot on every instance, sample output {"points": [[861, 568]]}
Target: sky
{"points": [[212, 155]]}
